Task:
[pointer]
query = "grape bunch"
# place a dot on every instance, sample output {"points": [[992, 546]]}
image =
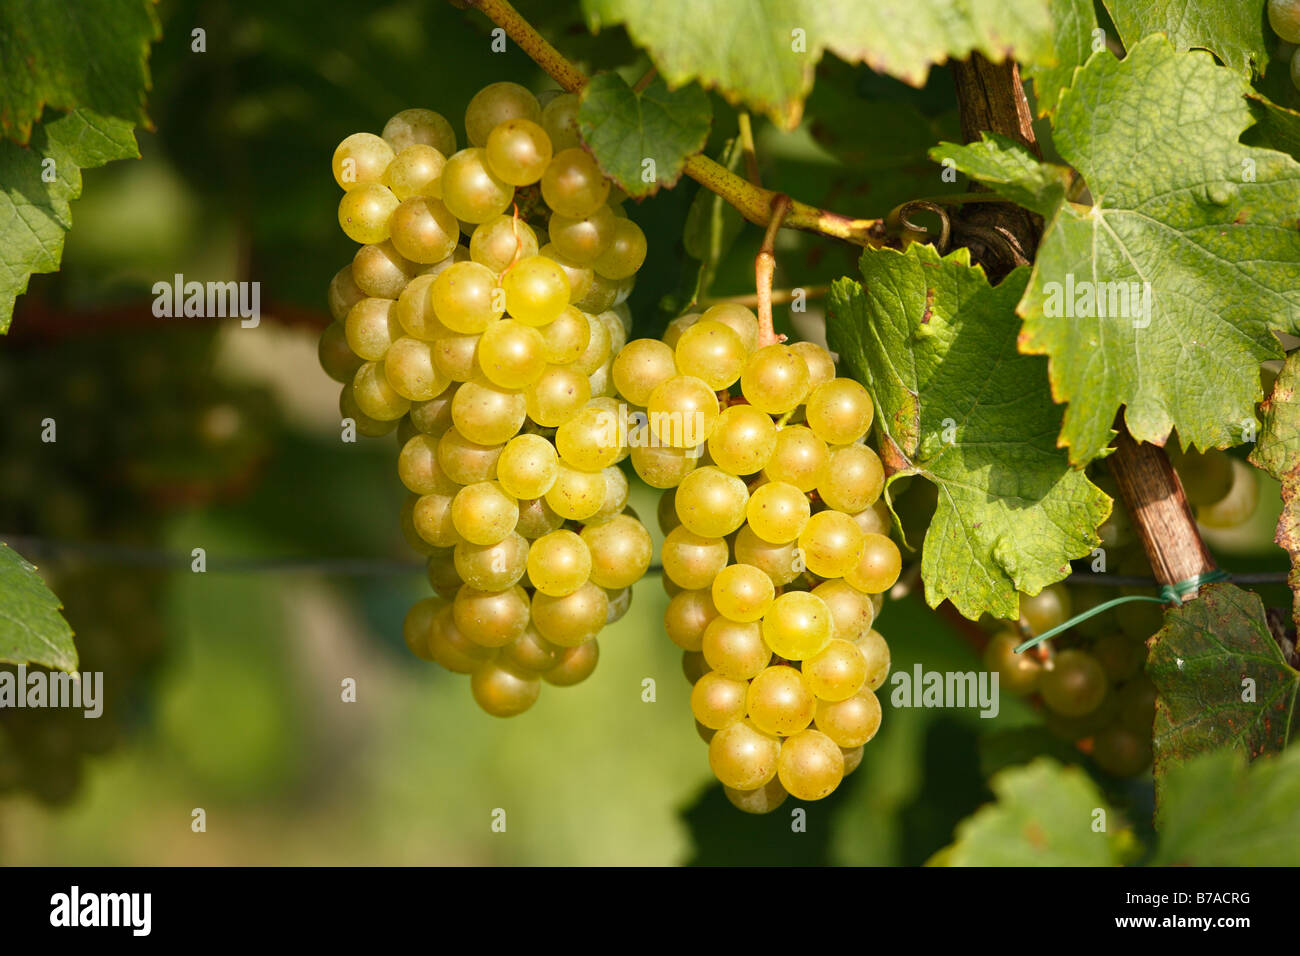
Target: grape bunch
{"points": [[479, 320], [776, 551]]}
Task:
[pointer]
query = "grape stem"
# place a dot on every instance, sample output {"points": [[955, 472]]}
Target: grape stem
{"points": [[752, 202], [747, 144], [779, 296], [765, 268]]}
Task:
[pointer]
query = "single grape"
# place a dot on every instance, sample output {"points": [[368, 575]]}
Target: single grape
{"points": [[718, 701], [1075, 684], [780, 702], [621, 550], [511, 355], [711, 352], [879, 566], [735, 649], [761, 800], [840, 411], [852, 612], [471, 190], [336, 356], [601, 294], [853, 479], [501, 241], [466, 462], [491, 618], [364, 212], [465, 298], [711, 502], [692, 560], [682, 411], [1017, 673], [1045, 610], [875, 651], [531, 653], [417, 626], [409, 368], [487, 414], [573, 619], [361, 160], [414, 310], [418, 468], [851, 722], [371, 328], [742, 440], [528, 466], [617, 492], [381, 271], [503, 692], [588, 441], [344, 293], [452, 649], [420, 127], [584, 239], [375, 397], [821, 367], [625, 252], [686, 617], [597, 354], [576, 495], [742, 592], [416, 171], [440, 569], [483, 513], [576, 665], [1284, 18], [573, 184], [743, 757], [518, 151], [798, 625], [559, 563], [642, 366], [775, 379], [780, 562], [557, 395], [492, 567], [800, 458], [498, 103], [658, 465], [810, 765], [365, 425], [560, 120], [832, 544], [580, 277], [739, 319], [837, 673], [536, 518]]}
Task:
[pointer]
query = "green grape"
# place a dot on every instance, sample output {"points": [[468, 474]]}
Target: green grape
{"points": [[365, 425], [364, 212], [597, 353], [742, 592], [576, 665], [361, 160], [531, 653], [852, 612], [503, 692], [840, 411], [821, 367], [853, 479], [336, 356], [1121, 752], [566, 339], [875, 650], [518, 151], [775, 380], [452, 649], [573, 184], [624, 254], [1017, 673], [711, 502], [832, 544], [500, 241], [612, 319], [456, 357], [779, 701], [573, 619], [617, 491], [560, 120], [712, 352], [406, 521], [837, 673], [491, 618], [1075, 685], [498, 103], [559, 563], [465, 298], [375, 397], [735, 649], [738, 318], [528, 466], [658, 465], [876, 519], [440, 569], [686, 617], [471, 191], [492, 567], [409, 368], [1239, 504], [435, 269], [800, 458], [762, 800], [1119, 656], [417, 171], [379, 270], [742, 440], [1045, 610], [878, 569], [589, 440], [537, 290], [414, 310], [798, 625], [511, 355], [601, 294], [466, 462], [576, 495], [487, 414], [682, 411], [580, 277], [584, 239], [621, 550], [483, 513], [743, 757], [778, 561], [344, 293], [557, 395], [536, 518], [1284, 18], [718, 701], [417, 626], [431, 517], [418, 127], [418, 468], [851, 722], [852, 759], [693, 668], [810, 765], [778, 512], [371, 328], [692, 560]]}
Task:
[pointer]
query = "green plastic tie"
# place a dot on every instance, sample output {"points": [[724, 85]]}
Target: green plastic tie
{"points": [[1169, 594]]}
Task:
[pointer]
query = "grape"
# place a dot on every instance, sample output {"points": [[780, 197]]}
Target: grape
{"points": [[778, 512], [536, 518], [779, 701], [624, 254], [565, 339], [528, 466], [840, 411], [853, 479], [1239, 504], [537, 290], [617, 491], [621, 550], [580, 277], [687, 616], [743, 757], [336, 356], [742, 592], [810, 765], [491, 618], [518, 151], [735, 649], [1017, 673], [799, 458], [495, 104], [511, 355], [878, 569], [1284, 18], [761, 800], [409, 368], [742, 440], [417, 171], [483, 513], [658, 465], [379, 270], [798, 625], [682, 411], [414, 310], [718, 701], [500, 241], [739, 319], [365, 425], [711, 503], [851, 722], [1121, 752], [360, 160], [466, 462], [1074, 685], [557, 395], [775, 380], [692, 560], [673, 334], [487, 414], [601, 294], [465, 299], [344, 293], [852, 612], [589, 440], [471, 191], [452, 649], [572, 619], [576, 665], [431, 517], [642, 366], [371, 328], [531, 653], [1119, 656], [778, 561], [837, 673], [573, 185], [492, 567], [503, 692], [364, 212], [417, 626], [832, 544], [420, 127], [576, 495], [821, 367], [560, 120], [712, 352], [583, 240], [875, 651], [559, 563], [375, 397], [597, 352]]}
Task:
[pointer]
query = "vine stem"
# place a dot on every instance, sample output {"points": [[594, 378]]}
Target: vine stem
{"points": [[779, 296], [765, 268], [752, 202], [747, 144]]}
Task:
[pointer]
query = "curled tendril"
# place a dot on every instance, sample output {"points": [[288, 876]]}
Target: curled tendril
{"points": [[899, 220]]}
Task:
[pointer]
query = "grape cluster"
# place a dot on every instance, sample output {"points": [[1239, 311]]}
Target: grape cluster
{"points": [[479, 320], [776, 553]]}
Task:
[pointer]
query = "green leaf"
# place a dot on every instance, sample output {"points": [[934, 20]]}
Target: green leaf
{"points": [[1210, 654], [1217, 811], [1237, 33], [1011, 169], [32, 631], [34, 212], [1278, 453], [624, 128], [93, 54], [1044, 816], [1073, 24], [1180, 204], [762, 53], [936, 346]]}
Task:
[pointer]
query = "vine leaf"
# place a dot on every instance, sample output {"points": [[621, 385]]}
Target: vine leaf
{"points": [[763, 52], [1237, 33], [1221, 680], [1278, 453], [936, 346], [1044, 815], [34, 212], [93, 55], [1074, 22], [32, 631], [1219, 811], [624, 129], [1181, 209]]}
